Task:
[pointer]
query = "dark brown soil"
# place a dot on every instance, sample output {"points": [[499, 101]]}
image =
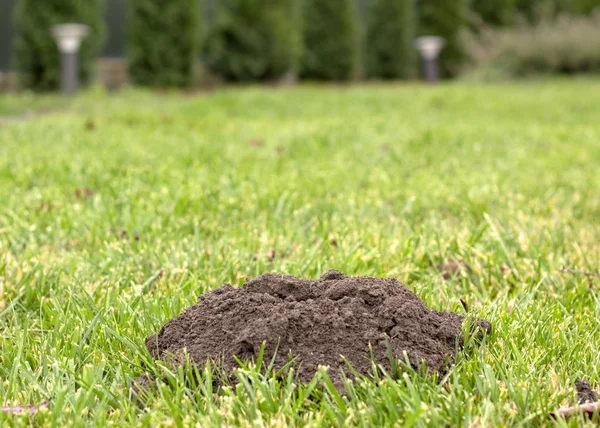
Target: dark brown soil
{"points": [[585, 393], [318, 322]]}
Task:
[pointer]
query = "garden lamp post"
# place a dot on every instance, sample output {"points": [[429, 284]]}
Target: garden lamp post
{"points": [[69, 37], [430, 47]]}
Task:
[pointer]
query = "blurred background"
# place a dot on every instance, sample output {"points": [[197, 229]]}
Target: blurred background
{"points": [[195, 43]]}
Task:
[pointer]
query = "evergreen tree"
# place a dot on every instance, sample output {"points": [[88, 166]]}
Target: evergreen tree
{"points": [[253, 39], [534, 10], [37, 57], [497, 13], [390, 51], [331, 42], [163, 42]]}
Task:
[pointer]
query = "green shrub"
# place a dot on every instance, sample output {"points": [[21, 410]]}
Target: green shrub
{"points": [[495, 12], [37, 58], [507, 12], [163, 41], [584, 7], [253, 39], [537, 10], [390, 51], [531, 9], [331, 39], [553, 45]]}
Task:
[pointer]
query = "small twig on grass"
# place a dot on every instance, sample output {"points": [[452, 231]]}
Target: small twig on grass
{"points": [[589, 275], [580, 272], [587, 410]]}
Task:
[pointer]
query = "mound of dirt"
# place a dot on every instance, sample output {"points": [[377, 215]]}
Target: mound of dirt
{"points": [[585, 393], [318, 322]]}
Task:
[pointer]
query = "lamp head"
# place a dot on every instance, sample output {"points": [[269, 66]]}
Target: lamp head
{"points": [[69, 36], [430, 46]]}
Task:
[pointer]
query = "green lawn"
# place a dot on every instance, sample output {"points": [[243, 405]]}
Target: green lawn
{"points": [[25, 105], [100, 197]]}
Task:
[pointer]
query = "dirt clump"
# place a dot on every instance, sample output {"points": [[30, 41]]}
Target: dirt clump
{"points": [[319, 322], [585, 393]]}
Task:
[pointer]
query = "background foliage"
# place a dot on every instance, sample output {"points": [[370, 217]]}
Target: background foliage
{"points": [[331, 39], [163, 42], [37, 58], [260, 40], [565, 44], [391, 29], [253, 39], [495, 12]]}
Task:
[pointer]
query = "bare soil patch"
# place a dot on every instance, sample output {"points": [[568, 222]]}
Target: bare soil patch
{"points": [[320, 322]]}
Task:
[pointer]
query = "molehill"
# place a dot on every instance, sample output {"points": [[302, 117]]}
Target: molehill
{"points": [[318, 322]]}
